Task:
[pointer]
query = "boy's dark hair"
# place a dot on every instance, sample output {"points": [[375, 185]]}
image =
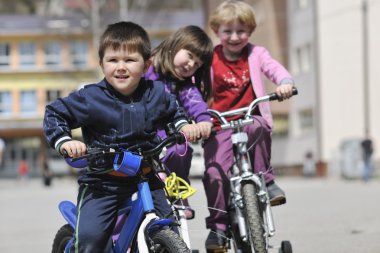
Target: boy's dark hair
{"points": [[193, 39], [127, 35]]}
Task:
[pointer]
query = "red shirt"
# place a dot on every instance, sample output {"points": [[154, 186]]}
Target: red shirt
{"points": [[231, 87]]}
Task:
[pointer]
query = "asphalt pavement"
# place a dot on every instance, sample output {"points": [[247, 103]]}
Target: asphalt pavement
{"points": [[321, 215]]}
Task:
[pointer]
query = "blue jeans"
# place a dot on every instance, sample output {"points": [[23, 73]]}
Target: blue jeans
{"points": [[367, 168]]}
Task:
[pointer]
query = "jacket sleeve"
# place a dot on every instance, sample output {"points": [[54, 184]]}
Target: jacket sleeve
{"points": [[179, 116], [63, 115], [272, 69], [163, 106], [194, 105]]}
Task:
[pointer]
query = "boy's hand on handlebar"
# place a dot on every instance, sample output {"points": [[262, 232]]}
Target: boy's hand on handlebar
{"points": [[205, 129], [74, 148], [284, 91]]}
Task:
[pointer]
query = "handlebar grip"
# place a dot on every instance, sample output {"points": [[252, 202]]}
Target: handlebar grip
{"points": [[294, 91], [78, 162], [273, 96]]}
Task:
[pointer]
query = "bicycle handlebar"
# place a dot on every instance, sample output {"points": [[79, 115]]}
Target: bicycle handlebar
{"points": [[94, 153], [273, 96], [246, 111], [175, 138]]}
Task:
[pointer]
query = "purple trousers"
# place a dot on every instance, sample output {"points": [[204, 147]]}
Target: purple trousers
{"points": [[174, 162], [218, 155], [177, 158]]}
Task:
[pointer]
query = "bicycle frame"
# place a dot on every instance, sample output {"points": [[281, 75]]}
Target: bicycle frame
{"points": [[137, 205], [136, 218]]}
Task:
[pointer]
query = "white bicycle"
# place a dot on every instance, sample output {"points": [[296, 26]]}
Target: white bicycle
{"points": [[251, 219]]}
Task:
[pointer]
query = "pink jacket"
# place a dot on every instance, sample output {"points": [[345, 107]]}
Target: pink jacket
{"points": [[260, 61]]}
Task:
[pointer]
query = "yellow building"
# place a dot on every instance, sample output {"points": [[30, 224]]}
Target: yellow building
{"points": [[40, 59], [44, 58]]}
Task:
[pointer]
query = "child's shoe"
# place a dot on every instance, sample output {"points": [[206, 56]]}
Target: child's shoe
{"points": [[276, 194], [216, 241]]}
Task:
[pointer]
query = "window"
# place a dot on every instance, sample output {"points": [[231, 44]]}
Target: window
{"points": [[280, 125], [306, 120], [28, 100], [78, 50], [304, 58], [4, 55], [52, 54], [5, 103], [302, 4], [52, 95], [301, 62], [27, 54]]}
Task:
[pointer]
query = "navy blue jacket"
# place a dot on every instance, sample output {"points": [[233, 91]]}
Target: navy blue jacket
{"points": [[110, 120]]}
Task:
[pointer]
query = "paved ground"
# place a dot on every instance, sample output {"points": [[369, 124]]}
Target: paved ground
{"points": [[322, 215]]}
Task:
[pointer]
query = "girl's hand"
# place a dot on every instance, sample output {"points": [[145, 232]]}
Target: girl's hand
{"points": [[205, 129], [192, 132], [284, 91], [74, 148]]}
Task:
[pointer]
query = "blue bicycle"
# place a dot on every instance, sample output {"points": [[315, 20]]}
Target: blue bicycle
{"points": [[138, 228]]}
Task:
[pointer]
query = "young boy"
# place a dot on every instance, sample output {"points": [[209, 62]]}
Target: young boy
{"points": [[236, 73], [122, 111]]}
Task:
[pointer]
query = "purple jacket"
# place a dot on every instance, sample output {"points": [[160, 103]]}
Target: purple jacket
{"points": [[189, 97]]}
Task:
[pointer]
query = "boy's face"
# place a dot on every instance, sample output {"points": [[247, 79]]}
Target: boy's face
{"points": [[122, 69], [186, 63], [233, 37]]}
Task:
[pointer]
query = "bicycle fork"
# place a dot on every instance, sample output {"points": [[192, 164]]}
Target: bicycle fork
{"points": [[245, 169], [238, 205]]}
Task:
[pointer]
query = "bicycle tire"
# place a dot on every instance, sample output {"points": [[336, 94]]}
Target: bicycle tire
{"points": [[167, 241], [254, 218], [62, 237]]}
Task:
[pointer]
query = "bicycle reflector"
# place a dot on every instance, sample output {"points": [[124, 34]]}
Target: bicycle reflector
{"points": [[178, 188]]}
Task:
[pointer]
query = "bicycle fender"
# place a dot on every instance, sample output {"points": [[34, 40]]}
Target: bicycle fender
{"points": [[141, 240], [69, 212], [68, 245], [158, 224]]}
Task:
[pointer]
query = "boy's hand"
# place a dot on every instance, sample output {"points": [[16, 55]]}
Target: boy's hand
{"points": [[284, 91], [74, 148]]}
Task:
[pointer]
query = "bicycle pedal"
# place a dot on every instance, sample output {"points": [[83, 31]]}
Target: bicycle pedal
{"points": [[219, 250]]}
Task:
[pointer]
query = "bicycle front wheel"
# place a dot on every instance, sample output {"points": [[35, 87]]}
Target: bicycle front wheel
{"points": [[254, 218], [167, 241], [63, 236]]}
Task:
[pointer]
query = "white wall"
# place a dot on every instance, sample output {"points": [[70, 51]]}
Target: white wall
{"points": [[374, 73], [335, 85], [342, 71]]}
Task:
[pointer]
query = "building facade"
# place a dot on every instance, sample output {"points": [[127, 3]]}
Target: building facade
{"points": [[330, 47], [43, 57], [334, 56]]}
